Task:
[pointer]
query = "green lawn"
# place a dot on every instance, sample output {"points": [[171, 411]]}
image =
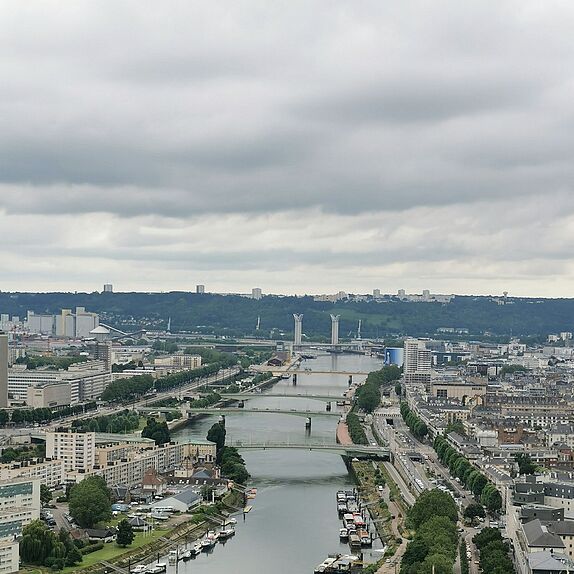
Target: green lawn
{"points": [[112, 550]]}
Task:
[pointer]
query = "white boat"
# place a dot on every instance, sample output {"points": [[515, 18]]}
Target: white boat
{"points": [[365, 537], [139, 569], [226, 533], [325, 564], [158, 568], [196, 549], [210, 540], [344, 534], [172, 556], [186, 555]]}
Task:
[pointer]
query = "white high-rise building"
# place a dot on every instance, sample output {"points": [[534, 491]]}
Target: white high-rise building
{"points": [[108, 288], [66, 324], [85, 322], [3, 370], [200, 289], [335, 329], [298, 329], [76, 449], [40, 324], [418, 360], [256, 293]]}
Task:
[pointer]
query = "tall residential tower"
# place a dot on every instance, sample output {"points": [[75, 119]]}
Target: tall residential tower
{"points": [[335, 329], [3, 370], [298, 329], [418, 360]]}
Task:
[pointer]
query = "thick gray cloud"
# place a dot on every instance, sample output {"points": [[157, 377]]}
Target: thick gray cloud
{"points": [[299, 145]]}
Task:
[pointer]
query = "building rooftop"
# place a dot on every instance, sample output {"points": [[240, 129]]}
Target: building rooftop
{"points": [[100, 330], [538, 536], [550, 562]]}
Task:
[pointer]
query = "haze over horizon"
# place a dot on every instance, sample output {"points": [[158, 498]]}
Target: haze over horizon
{"points": [[297, 147]]}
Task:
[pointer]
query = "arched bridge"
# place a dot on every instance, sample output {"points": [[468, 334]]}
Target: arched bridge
{"points": [[356, 450], [236, 411]]}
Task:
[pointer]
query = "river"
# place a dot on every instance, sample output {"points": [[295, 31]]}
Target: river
{"points": [[293, 525]]}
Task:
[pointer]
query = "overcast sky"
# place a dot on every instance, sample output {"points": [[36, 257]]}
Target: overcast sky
{"points": [[297, 146]]}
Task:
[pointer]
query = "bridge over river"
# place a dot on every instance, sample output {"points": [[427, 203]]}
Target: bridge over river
{"points": [[356, 450], [314, 372], [237, 410], [316, 397]]}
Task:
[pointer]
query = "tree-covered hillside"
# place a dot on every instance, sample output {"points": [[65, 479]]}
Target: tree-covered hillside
{"points": [[236, 315]]}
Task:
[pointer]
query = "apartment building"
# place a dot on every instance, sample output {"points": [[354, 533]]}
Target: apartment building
{"points": [[81, 382], [178, 361], [19, 505], [127, 464], [48, 472], [418, 361], [77, 450], [464, 391], [3, 370]]}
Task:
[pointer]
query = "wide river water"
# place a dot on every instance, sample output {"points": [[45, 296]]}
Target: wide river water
{"points": [[293, 525]]}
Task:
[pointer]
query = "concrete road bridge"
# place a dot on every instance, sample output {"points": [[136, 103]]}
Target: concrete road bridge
{"points": [[144, 410], [314, 372], [245, 396], [238, 411], [355, 450]]}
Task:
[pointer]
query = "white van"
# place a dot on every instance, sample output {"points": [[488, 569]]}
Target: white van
{"points": [[163, 509]]}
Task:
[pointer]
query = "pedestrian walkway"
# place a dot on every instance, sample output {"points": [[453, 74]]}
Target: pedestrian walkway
{"points": [[394, 561], [343, 436]]}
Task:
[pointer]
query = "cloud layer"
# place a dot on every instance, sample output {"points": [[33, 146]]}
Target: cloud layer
{"points": [[299, 146]]}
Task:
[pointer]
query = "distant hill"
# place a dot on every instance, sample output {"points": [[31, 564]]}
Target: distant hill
{"points": [[238, 315]]}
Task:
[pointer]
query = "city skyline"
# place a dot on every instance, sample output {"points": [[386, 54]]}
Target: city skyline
{"points": [[298, 147]]}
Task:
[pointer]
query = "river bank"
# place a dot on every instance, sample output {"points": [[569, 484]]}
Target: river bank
{"points": [[188, 531]]}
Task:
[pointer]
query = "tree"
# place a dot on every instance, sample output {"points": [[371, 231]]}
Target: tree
{"points": [[437, 564], [474, 510], [18, 416], [74, 556], [432, 503], [158, 431], [416, 552], [90, 502], [455, 426], [485, 536], [37, 543], [494, 557], [125, 533], [216, 434], [233, 465], [525, 464], [478, 484], [3, 417], [491, 498], [41, 546], [45, 494]]}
